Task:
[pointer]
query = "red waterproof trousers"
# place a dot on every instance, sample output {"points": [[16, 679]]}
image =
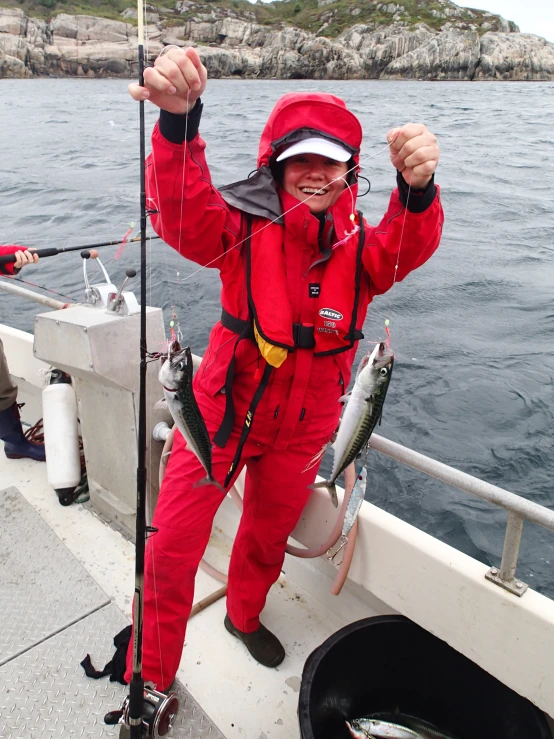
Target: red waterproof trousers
{"points": [[276, 491]]}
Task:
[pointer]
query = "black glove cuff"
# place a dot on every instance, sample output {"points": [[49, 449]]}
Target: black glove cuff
{"points": [[174, 125], [419, 200]]}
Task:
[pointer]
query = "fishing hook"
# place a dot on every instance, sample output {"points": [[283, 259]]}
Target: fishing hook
{"points": [[343, 541]]}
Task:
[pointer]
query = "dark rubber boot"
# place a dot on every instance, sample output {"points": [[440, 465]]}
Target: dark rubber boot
{"points": [[16, 446], [262, 644]]}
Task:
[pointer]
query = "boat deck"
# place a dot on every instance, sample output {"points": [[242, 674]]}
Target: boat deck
{"points": [[53, 614], [66, 585]]}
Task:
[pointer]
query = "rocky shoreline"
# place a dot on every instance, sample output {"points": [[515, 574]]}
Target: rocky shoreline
{"points": [[85, 46]]}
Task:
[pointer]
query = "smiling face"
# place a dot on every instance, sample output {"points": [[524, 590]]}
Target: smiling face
{"points": [[305, 174]]}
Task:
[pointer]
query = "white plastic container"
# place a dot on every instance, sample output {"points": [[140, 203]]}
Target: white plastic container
{"points": [[61, 437]]}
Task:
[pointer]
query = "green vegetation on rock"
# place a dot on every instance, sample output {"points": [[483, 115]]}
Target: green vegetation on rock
{"points": [[46, 9], [323, 17]]}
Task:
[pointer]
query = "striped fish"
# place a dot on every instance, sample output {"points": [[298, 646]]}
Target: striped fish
{"points": [[369, 729], [176, 378], [362, 412], [424, 729]]}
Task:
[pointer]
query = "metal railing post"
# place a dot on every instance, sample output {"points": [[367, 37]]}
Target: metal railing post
{"points": [[506, 576]]}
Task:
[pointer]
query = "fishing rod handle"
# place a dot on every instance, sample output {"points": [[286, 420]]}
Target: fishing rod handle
{"points": [[9, 258]]}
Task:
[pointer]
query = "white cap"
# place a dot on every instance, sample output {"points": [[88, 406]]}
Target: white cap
{"points": [[316, 145]]}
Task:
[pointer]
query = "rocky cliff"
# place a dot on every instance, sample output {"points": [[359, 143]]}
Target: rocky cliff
{"points": [[230, 46]]}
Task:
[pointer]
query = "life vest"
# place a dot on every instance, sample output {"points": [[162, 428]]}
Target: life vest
{"points": [[337, 299], [270, 322]]}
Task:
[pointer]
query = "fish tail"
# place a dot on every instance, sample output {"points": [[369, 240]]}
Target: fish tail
{"points": [[209, 480], [331, 489]]}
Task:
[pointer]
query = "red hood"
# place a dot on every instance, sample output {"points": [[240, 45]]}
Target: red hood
{"points": [[319, 113], [296, 116]]}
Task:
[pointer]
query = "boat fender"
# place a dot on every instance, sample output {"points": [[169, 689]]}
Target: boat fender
{"points": [[61, 436]]}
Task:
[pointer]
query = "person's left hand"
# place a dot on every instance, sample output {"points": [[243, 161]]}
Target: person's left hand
{"points": [[25, 257], [414, 152]]}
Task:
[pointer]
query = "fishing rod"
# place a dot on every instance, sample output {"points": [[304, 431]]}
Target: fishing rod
{"points": [[146, 712], [53, 251]]}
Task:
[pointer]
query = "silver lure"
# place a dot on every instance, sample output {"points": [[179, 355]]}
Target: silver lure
{"points": [[362, 412], [176, 378], [355, 503], [374, 729]]}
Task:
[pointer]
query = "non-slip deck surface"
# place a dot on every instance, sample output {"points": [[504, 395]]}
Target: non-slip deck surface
{"points": [[53, 613]]}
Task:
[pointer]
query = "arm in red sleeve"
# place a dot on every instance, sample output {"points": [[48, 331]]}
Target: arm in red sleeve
{"points": [[404, 236], [187, 211], [9, 269]]}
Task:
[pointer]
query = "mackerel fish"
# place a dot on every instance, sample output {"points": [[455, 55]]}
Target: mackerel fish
{"points": [[362, 413], [379, 730], [424, 729], [395, 726], [176, 378]]}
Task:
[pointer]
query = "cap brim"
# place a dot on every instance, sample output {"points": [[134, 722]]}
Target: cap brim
{"points": [[319, 146]]}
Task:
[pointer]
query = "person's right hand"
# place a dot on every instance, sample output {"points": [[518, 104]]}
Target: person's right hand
{"points": [[175, 82], [25, 257]]}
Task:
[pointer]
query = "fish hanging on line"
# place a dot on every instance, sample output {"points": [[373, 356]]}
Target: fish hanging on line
{"points": [[176, 378], [361, 415]]}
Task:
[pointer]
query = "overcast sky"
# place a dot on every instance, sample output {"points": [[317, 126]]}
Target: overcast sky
{"points": [[532, 16]]}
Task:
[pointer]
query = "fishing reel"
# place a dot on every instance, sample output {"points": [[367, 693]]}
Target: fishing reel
{"points": [[158, 714]]}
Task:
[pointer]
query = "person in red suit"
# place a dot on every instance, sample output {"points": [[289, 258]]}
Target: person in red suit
{"points": [[16, 446], [298, 266]]}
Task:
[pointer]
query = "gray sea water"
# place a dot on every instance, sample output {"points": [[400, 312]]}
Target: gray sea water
{"points": [[472, 329]]}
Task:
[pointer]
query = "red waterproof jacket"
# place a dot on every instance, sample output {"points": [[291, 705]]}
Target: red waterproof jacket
{"points": [[9, 269], [205, 224]]}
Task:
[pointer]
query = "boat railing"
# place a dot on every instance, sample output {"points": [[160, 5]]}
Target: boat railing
{"points": [[9, 286], [519, 509]]}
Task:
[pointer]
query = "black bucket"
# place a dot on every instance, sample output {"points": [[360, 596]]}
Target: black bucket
{"points": [[388, 663]]}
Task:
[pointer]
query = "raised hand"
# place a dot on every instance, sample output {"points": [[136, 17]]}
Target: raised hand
{"points": [[414, 152], [175, 82]]}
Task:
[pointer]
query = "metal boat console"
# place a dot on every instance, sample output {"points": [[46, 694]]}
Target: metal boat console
{"points": [[97, 343]]}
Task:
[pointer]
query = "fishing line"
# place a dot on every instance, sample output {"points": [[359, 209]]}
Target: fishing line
{"points": [[387, 319], [153, 546], [173, 336], [164, 255], [40, 287], [352, 169]]}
